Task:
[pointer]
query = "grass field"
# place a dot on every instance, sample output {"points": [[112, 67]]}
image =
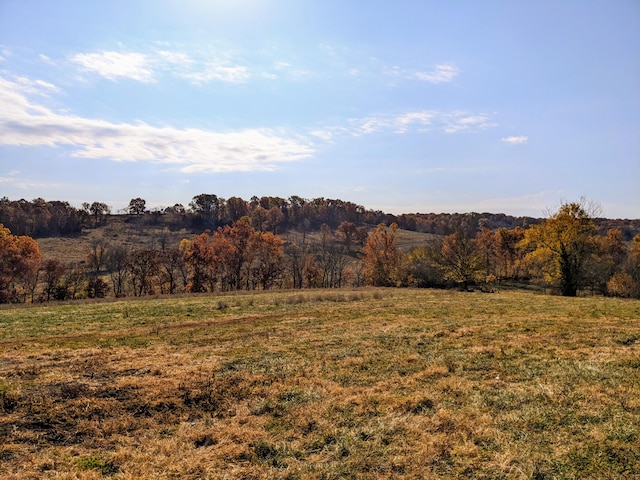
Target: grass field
{"points": [[323, 385]]}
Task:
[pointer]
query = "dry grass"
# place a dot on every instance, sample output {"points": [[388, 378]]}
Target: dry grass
{"points": [[117, 231], [134, 235], [339, 384]]}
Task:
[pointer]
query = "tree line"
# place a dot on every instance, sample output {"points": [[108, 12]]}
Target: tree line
{"points": [[563, 253], [40, 218]]}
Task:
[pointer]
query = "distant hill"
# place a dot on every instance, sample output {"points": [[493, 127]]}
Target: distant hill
{"points": [[40, 218]]}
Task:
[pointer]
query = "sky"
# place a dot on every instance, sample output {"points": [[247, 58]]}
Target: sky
{"points": [[404, 106]]}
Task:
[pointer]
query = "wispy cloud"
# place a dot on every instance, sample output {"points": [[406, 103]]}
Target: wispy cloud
{"points": [[515, 139], [463, 121], [45, 59], [442, 73], [178, 58], [422, 121], [199, 68], [25, 122], [11, 178], [220, 71], [326, 135], [115, 65], [4, 54]]}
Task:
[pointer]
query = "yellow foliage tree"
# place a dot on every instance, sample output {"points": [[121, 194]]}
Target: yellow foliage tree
{"points": [[562, 246]]}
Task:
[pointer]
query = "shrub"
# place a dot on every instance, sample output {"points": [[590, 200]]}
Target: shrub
{"points": [[622, 285]]}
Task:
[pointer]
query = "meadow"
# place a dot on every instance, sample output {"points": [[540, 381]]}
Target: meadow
{"points": [[361, 384]]}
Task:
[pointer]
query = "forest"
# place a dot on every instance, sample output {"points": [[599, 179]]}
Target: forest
{"points": [[217, 244]]}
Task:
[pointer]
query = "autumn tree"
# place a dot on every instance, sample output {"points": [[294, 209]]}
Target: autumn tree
{"points": [[330, 258], [171, 262], [501, 252], [487, 245], [311, 272], [609, 256], [236, 209], [268, 258], [348, 232], [460, 259], [234, 257], [382, 259], [621, 284], [200, 258], [259, 217], [143, 267], [97, 256], [509, 253], [73, 283], [19, 266], [422, 267], [274, 219], [96, 288], [117, 261], [295, 262], [53, 271], [234, 248], [563, 244], [626, 282]]}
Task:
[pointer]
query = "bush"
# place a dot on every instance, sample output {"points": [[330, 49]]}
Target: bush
{"points": [[97, 288], [622, 285]]}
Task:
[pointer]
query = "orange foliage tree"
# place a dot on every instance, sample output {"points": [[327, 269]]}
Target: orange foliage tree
{"points": [[19, 264], [382, 259], [234, 257]]}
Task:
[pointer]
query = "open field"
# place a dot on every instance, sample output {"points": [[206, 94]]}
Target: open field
{"points": [[370, 383]]}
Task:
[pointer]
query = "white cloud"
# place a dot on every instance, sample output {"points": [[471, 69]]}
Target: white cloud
{"points": [[220, 71], [461, 121], [421, 118], [515, 139], [145, 67], [326, 135], [4, 54], [175, 57], [45, 59], [27, 123], [421, 121], [400, 123], [114, 65], [284, 69], [199, 69], [280, 65], [440, 74]]}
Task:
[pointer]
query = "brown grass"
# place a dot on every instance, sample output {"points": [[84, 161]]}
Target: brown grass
{"points": [[119, 230], [342, 384]]}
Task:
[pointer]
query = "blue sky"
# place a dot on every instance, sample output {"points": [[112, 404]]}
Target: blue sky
{"points": [[403, 106]]}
